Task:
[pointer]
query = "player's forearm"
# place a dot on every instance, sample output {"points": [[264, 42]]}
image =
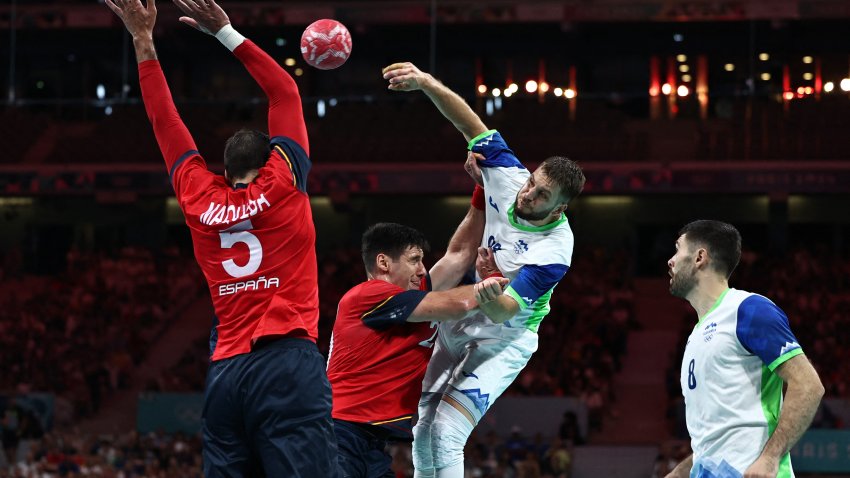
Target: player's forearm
{"points": [[144, 49], [285, 114], [171, 134], [501, 309], [447, 305], [798, 409], [454, 108], [461, 252]]}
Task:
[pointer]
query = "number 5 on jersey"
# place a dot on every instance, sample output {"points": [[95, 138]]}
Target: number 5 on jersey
{"points": [[234, 235]]}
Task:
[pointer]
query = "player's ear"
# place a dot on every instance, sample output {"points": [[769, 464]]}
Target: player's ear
{"points": [[701, 258], [382, 263]]}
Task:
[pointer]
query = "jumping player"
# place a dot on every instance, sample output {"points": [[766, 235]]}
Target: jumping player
{"points": [[383, 335], [267, 401], [737, 357], [476, 359]]}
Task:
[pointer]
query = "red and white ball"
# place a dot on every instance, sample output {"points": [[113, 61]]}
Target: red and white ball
{"points": [[326, 44]]}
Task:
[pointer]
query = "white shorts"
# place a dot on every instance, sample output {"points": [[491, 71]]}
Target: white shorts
{"points": [[475, 360]]}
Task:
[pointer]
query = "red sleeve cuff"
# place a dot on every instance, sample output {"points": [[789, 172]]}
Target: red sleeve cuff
{"points": [[478, 198]]}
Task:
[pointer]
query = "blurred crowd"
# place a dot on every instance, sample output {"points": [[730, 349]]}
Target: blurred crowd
{"points": [[80, 334], [72, 454]]}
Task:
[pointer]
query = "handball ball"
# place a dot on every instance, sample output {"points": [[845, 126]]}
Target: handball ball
{"points": [[326, 44]]}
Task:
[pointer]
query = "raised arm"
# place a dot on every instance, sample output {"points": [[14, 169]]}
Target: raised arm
{"points": [[407, 77], [173, 138], [286, 117], [801, 402]]}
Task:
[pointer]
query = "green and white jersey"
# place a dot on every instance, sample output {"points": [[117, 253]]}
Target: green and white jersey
{"points": [[533, 258], [732, 395]]}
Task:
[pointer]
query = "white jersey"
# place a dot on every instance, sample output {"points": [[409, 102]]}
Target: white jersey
{"points": [[732, 395], [534, 258]]}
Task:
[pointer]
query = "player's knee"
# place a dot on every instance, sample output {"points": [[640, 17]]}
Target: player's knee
{"points": [[449, 433]]}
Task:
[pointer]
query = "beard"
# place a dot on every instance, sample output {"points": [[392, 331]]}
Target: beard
{"points": [[530, 216], [683, 283]]}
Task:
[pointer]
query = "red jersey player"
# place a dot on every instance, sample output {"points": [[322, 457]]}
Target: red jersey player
{"points": [[383, 336], [267, 400]]}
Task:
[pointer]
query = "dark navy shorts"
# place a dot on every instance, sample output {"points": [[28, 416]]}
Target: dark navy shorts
{"points": [[268, 413], [361, 453]]}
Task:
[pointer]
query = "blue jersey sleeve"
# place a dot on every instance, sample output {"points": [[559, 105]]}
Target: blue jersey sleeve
{"points": [[296, 160], [533, 281], [764, 331], [496, 153], [394, 310]]}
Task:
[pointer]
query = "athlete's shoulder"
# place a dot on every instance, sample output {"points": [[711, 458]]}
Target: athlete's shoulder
{"points": [[369, 294]]}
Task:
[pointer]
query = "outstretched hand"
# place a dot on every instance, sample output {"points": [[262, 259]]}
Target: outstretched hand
{"points": [[203, 15], [405, 77], [139, 19]]}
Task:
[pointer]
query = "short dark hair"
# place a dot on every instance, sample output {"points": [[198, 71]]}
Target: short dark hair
{"points": [[245, 151], [391, 239], [566, 174], [721, 239]]}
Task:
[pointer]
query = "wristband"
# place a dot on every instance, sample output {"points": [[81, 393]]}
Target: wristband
{"points": [[478, 198], [229, 37], [495, 274]]}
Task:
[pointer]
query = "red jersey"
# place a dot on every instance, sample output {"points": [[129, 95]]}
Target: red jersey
{"points": [[378, 359], [255, 243]]}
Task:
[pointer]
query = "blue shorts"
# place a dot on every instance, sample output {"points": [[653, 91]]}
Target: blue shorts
{"points": [[268, 412], [361, 453]]}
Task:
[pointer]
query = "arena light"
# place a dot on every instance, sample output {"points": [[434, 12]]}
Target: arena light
{"points": [[569, 93], [558, 91], [289, 62], [801, 91], [681, 58], [279, 41], [508, 93], [544, 87], [531, 86], [678, 37], [682, 90], [845, 84], [764, 56], [101, 92], [488, 107], [513, 87], [496, 92], [482, 89], [333, 102], [666, 88], [321, 108], [808, 60], [729, 67], [299, 72], [684, 68], [765, 77], [808, 90], [686, 78], [808, 76], [654, 91], [828, 86], [788, 95]]}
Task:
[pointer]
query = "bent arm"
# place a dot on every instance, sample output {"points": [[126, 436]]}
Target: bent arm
{"points": [[501, 309], [801, 402], [286, 117], [461, 252], [407, 77]]}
